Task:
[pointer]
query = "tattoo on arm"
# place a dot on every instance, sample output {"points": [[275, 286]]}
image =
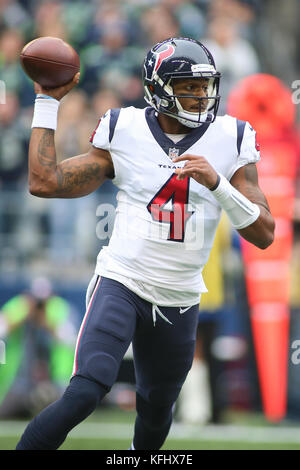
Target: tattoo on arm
{"points": [[73, 177], [46, 149], [76, 177]]}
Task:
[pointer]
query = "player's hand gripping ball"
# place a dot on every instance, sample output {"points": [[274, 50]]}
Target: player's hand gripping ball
{"points": [[50, 61]]}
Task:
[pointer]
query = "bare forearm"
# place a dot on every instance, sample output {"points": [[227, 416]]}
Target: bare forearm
{"points": [[42, 161], [261, 232]]}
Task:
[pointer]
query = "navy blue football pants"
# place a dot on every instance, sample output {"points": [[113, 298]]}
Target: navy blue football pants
{"points": [[163, 354]]}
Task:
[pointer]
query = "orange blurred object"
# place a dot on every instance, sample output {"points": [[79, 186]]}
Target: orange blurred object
{"points": [[280, 248], [270, 327], [265, 102], [267, 281]]}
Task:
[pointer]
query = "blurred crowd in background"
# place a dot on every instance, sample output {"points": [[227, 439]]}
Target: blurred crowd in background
{"points": [[112, 37], [57, 238]]}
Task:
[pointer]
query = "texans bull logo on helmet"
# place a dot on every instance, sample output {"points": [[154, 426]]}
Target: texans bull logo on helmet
{"points": [[156, 58], [163, 56]]}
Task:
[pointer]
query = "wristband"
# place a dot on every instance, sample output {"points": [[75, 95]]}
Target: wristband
{"points": [[240, 210], [45, 112], [45, 97]]}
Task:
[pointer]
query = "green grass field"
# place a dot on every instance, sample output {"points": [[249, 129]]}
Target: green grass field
{"points": [[111, 429]]}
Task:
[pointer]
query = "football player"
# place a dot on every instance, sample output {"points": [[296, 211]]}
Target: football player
{"points": [[176, 165]]}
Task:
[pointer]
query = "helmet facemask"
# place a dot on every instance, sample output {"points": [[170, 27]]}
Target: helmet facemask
{"points": [[170, 102], [208, 104]]}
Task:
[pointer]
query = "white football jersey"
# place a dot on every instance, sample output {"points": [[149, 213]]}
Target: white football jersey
{"points": [[164, 228]]}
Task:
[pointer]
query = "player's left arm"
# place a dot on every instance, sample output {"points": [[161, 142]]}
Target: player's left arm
{"points": [[260, 232], [242, 197]]}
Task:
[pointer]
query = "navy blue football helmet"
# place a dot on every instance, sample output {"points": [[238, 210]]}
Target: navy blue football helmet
{"points": [[180, 58]]}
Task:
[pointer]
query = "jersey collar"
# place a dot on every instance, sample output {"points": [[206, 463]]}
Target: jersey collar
{"points": [[165, 143]]}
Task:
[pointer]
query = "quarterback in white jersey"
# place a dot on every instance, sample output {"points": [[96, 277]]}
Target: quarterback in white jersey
{"points": [[177, 165], [140, 254]]}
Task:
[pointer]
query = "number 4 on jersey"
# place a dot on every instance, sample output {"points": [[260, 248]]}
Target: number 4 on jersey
{"points": [[176, 191]]}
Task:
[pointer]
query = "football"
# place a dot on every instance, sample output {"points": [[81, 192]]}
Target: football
{"points": [[50, 61]]}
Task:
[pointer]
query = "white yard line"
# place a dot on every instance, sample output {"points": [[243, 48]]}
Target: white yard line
{"points": [[220, 433]]}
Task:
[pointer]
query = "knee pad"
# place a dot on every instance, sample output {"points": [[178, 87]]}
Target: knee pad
{"points": [[103, 368]]}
